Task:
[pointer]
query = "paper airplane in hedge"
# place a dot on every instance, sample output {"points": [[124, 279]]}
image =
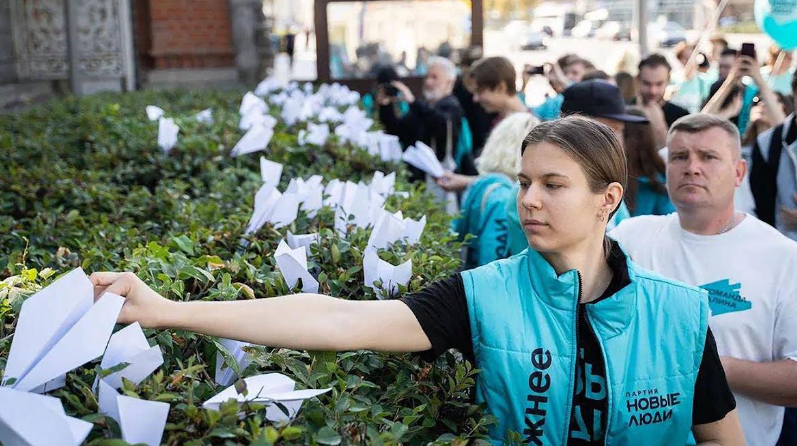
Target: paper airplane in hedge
{"points": [[383, 184], [295, 241], [274, 390], [254, 140], [225, 375], [272, 206], [30, 419], [293, 266], [129, 345], [390, 276], [315, 134], [357, 204], [154, 113], [59, 329], [167, 134], [204, 117], [423, 157], [270, 172], [252, 103], [140, 421], [310, 193], [391, 228]]}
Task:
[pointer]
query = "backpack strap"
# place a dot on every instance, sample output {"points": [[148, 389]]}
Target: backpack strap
{"points": [[487, 193], [764, 176]]}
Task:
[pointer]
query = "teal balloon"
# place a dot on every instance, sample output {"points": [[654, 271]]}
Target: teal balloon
{"points": [[778, 18]]}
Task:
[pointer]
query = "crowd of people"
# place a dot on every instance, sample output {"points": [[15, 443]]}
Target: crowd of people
{"points": [[628, 272], [710, 198]]}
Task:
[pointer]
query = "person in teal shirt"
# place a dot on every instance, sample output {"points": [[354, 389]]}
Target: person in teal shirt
{"points": [[576, 344], [483, 214]]}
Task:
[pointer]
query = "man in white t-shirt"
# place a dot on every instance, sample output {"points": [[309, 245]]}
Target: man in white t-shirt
{"points": [[748, 268]]}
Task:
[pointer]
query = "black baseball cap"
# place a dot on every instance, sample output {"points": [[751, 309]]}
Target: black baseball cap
{"points": [[599, 99]]}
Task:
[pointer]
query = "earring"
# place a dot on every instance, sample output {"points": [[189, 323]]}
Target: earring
{"points": [[602, 216]]}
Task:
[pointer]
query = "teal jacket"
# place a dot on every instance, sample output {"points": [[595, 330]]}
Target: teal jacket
{"points": [[484, 215], [517, 238], [523, 326], [651, 202]]}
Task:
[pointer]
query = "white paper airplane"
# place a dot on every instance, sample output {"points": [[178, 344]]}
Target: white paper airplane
{"points": [[141, 421], [205, 117], [225, 376], [252, 102], [423, 157], [376, 269], [268, 389], [167, 134], [296, 241], [270, 172], [30, 419], [293, 266], [154, 113], [59, 329], [129, 345], [272, 206], [254, 140]]}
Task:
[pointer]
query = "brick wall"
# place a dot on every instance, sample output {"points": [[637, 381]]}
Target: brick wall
{"points": [[184, 34]]}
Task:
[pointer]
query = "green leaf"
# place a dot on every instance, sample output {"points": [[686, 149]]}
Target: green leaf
{"points": [[185, 244], [327, 436], [292, 433]]}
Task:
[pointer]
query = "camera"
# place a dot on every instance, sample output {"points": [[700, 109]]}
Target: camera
{"points": [[390, 90], [533, 71]]}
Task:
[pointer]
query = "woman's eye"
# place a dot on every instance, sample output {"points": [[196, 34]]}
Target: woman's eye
{"points": [[553, 186], [524, 185]]}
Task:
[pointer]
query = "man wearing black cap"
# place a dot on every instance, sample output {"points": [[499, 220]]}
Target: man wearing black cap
{"points": [[600, 101]]}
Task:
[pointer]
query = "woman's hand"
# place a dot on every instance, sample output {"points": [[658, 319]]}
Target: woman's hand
{"points": [[454, 182], [733, 109], [142, 304]]}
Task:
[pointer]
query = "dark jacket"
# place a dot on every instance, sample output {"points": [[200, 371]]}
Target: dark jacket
{"points": [[426, 123]]}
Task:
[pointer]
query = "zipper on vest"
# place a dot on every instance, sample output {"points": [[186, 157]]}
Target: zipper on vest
{"points": [[574, 361]]}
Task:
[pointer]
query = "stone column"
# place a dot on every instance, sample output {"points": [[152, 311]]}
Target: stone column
{"points": [[247, 35]]}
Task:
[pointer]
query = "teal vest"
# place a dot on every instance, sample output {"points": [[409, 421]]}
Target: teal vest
{"points": [[483, 214], [523, 323]]}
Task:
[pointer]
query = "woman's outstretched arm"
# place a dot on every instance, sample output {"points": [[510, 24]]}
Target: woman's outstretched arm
{"points": [[301, 321]]}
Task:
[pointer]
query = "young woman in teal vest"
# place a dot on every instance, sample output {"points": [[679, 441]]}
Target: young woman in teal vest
{"points": [[577, 344]]}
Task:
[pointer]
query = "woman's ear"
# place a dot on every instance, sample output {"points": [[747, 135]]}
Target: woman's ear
{"points": [[612, 197]]}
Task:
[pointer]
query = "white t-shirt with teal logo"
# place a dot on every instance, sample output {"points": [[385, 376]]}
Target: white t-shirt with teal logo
{"points": [[749, 273]]}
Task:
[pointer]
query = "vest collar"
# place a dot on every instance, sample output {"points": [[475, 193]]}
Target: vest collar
{"points": [[609, 316]]}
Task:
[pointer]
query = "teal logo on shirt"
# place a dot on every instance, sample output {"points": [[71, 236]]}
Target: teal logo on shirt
{"points": [[724, 297]]}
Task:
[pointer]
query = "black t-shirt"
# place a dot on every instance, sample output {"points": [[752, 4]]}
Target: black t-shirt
{"points": [[673, 112], [442, 311]]}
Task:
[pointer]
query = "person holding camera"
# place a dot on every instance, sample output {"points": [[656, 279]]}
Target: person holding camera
{"points": [[568, 70], [733, 99], [435, 120]]}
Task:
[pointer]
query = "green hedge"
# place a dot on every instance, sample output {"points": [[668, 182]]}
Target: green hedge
{"points": [[83, 183]]}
